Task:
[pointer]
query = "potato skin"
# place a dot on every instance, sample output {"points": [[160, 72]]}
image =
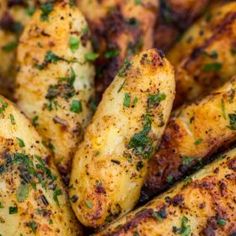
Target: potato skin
{"points": [[120, 29], [204, 58], [54, 83], [203, 204], [193, 133], [175, 16], [111, 163], [14, 15], [32, 198]]}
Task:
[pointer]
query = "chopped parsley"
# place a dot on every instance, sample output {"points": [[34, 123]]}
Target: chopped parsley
{"points": [[155, 99], [56, 193], [9, 47], [159, 215], [32, 225], [212, 67], [3, 106], [22, 192], [140, 143], [89, 204], [221, 222], [46, 9], [30, 10], [35, 121], [123, 70], [232, 121], [20, 142], [74, 43], [13, 210], [51, 57], [76, 106], [111, 53], [91, 56], [12, 119], [186, 161], [138, 2], [1, 205], [198, 141], [185, 229], [127, 100], [169, 179]]}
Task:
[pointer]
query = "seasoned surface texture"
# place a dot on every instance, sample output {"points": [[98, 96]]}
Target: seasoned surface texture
{"points": [[32, 198], [176, 16], [205, 57], [203, 204], [193, 133], [110, 165], [12, 19], [119, 29], [55, 79]]}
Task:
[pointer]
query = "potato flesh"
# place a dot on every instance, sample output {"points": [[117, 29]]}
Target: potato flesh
{"points": [[193, 134], [107, 173], [27, 197], [58, 94], [203, 204]]}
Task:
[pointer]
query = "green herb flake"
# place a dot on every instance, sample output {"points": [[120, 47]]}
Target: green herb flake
{"points": [[12, 119], [185, 229], [89, 204], [186, 161], [20, 142], [140, 143], [46, 9], [1, 205], [3, 106], [111, 53], [170, 179], [9, 47], [138, 2], [223, 108], [22, 192], [127, 100], [13, 210], [156, 99], [32, 225], [35, 121], [212, 67], [221, 222], [232, 121], [76, 106], [198, 141], [56, 193], [30, 10], [73, 43], [91, 56], [125, 67], [51, 57]]}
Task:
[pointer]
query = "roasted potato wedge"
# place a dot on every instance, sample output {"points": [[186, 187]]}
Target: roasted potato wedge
{"points": [[13, 17], [55, 79], [119, 30], [193, 133], [205, 57], [110, 165], [32, 198], [176, 16], [203, 204]]}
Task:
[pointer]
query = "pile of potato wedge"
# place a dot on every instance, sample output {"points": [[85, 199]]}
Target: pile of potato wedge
{"points": [[117, 117]]}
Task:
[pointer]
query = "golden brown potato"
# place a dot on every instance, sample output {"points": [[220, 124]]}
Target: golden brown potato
{"points": [[55, 79], [32, 198], [13, 17], [203, 204], [119, 30], [193, 133], [176, 16], [110, 165], [205, 57]]}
